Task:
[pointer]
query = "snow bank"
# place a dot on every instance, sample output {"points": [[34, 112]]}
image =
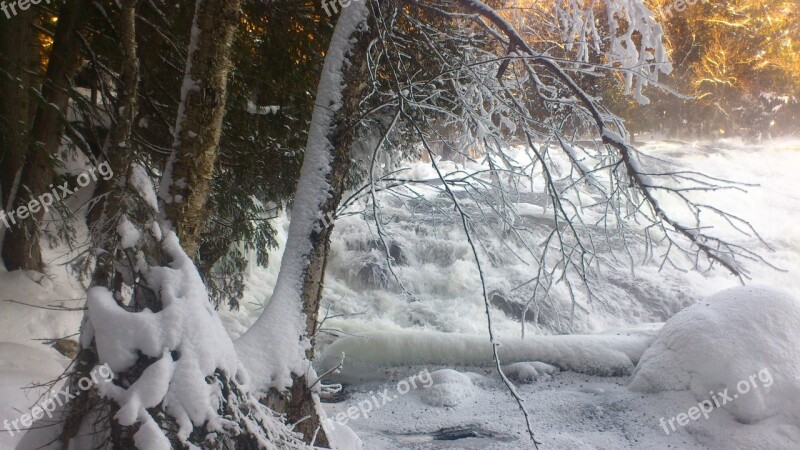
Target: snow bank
{"points": [[47, 308], [570, 412], [368, 357], [744, 335], [343, 437]]}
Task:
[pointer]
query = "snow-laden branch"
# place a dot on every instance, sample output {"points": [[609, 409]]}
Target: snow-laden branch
{"points": [[194, 377], [634, 41], [610, 137]]}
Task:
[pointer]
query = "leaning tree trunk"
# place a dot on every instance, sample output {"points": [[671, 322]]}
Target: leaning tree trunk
{"points": [[299, 401], [19, 61], [21, 247], [280, 345], [187, 180]]}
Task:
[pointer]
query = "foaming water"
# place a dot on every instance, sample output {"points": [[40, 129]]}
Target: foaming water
{"points": [[443, 291]]}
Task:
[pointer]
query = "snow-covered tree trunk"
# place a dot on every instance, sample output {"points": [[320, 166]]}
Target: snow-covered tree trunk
{"points": [[21, 246], [187, 181], [278, 348]]}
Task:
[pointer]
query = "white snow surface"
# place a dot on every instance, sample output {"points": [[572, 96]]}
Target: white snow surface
{"points": [[344, 437], [141, 182], [570, 411], [720, 342], [22, 369], [34, 309]]}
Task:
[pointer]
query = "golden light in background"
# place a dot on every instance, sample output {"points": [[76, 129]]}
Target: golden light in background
{"points": [[46, 44], [746, 45]]}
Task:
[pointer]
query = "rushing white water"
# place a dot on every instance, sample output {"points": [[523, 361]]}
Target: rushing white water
{"points": [[436, 265]]}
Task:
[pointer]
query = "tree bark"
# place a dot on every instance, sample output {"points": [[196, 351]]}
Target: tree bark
{"points": [[187, 180], [19, 64], [343, 137], [21, 247], [299, 402]]}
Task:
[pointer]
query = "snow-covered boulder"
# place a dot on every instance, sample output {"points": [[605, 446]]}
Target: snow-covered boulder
{"points": [[448, 388], [528, 372], [745, 340]]}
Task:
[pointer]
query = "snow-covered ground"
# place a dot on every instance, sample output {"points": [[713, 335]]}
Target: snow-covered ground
{"points": [[723, 373], [570, 411], [391, 335]]}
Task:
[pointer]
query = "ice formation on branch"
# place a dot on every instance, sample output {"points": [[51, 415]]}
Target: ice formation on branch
{"points": [[635, 41]]}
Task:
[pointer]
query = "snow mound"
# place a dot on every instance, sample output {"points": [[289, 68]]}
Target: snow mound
{"points": [[527, 372], [449, 388], [41, 308], [744, 339]]}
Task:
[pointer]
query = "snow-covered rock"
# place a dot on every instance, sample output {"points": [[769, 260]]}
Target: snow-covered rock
{"points": [[527, 372], [744, 339], [450, 388]]}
